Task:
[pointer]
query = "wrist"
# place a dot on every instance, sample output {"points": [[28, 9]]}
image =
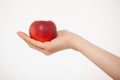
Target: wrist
{"points": [[72, 41], [77, 42]]}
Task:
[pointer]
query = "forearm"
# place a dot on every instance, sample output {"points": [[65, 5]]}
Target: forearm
{"points": [[108, 62]]}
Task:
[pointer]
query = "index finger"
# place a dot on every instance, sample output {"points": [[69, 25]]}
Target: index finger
{"points": [[25, 37]]}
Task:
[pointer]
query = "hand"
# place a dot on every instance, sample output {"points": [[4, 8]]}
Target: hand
{"points": [[65, 40], [61, 42]]}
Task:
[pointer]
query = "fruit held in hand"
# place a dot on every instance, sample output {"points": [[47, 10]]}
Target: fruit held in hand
{"points": [[43, 30]]}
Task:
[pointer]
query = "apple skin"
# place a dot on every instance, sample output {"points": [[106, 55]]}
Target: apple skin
{"points": [[43, 30]]}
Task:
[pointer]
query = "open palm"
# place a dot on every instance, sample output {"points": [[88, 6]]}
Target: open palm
{"points": [[61, 42]]}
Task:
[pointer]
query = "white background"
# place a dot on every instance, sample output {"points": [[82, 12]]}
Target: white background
{"points": [[96, 20]]}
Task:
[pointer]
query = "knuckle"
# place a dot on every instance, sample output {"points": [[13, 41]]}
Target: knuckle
{"points": [[30, 46], [47, 53]]}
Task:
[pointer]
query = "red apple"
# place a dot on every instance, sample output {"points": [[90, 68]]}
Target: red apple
{"points": [[43, 30]]}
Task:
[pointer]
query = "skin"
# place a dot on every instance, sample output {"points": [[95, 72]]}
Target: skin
{"points": [[105, 60]]}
